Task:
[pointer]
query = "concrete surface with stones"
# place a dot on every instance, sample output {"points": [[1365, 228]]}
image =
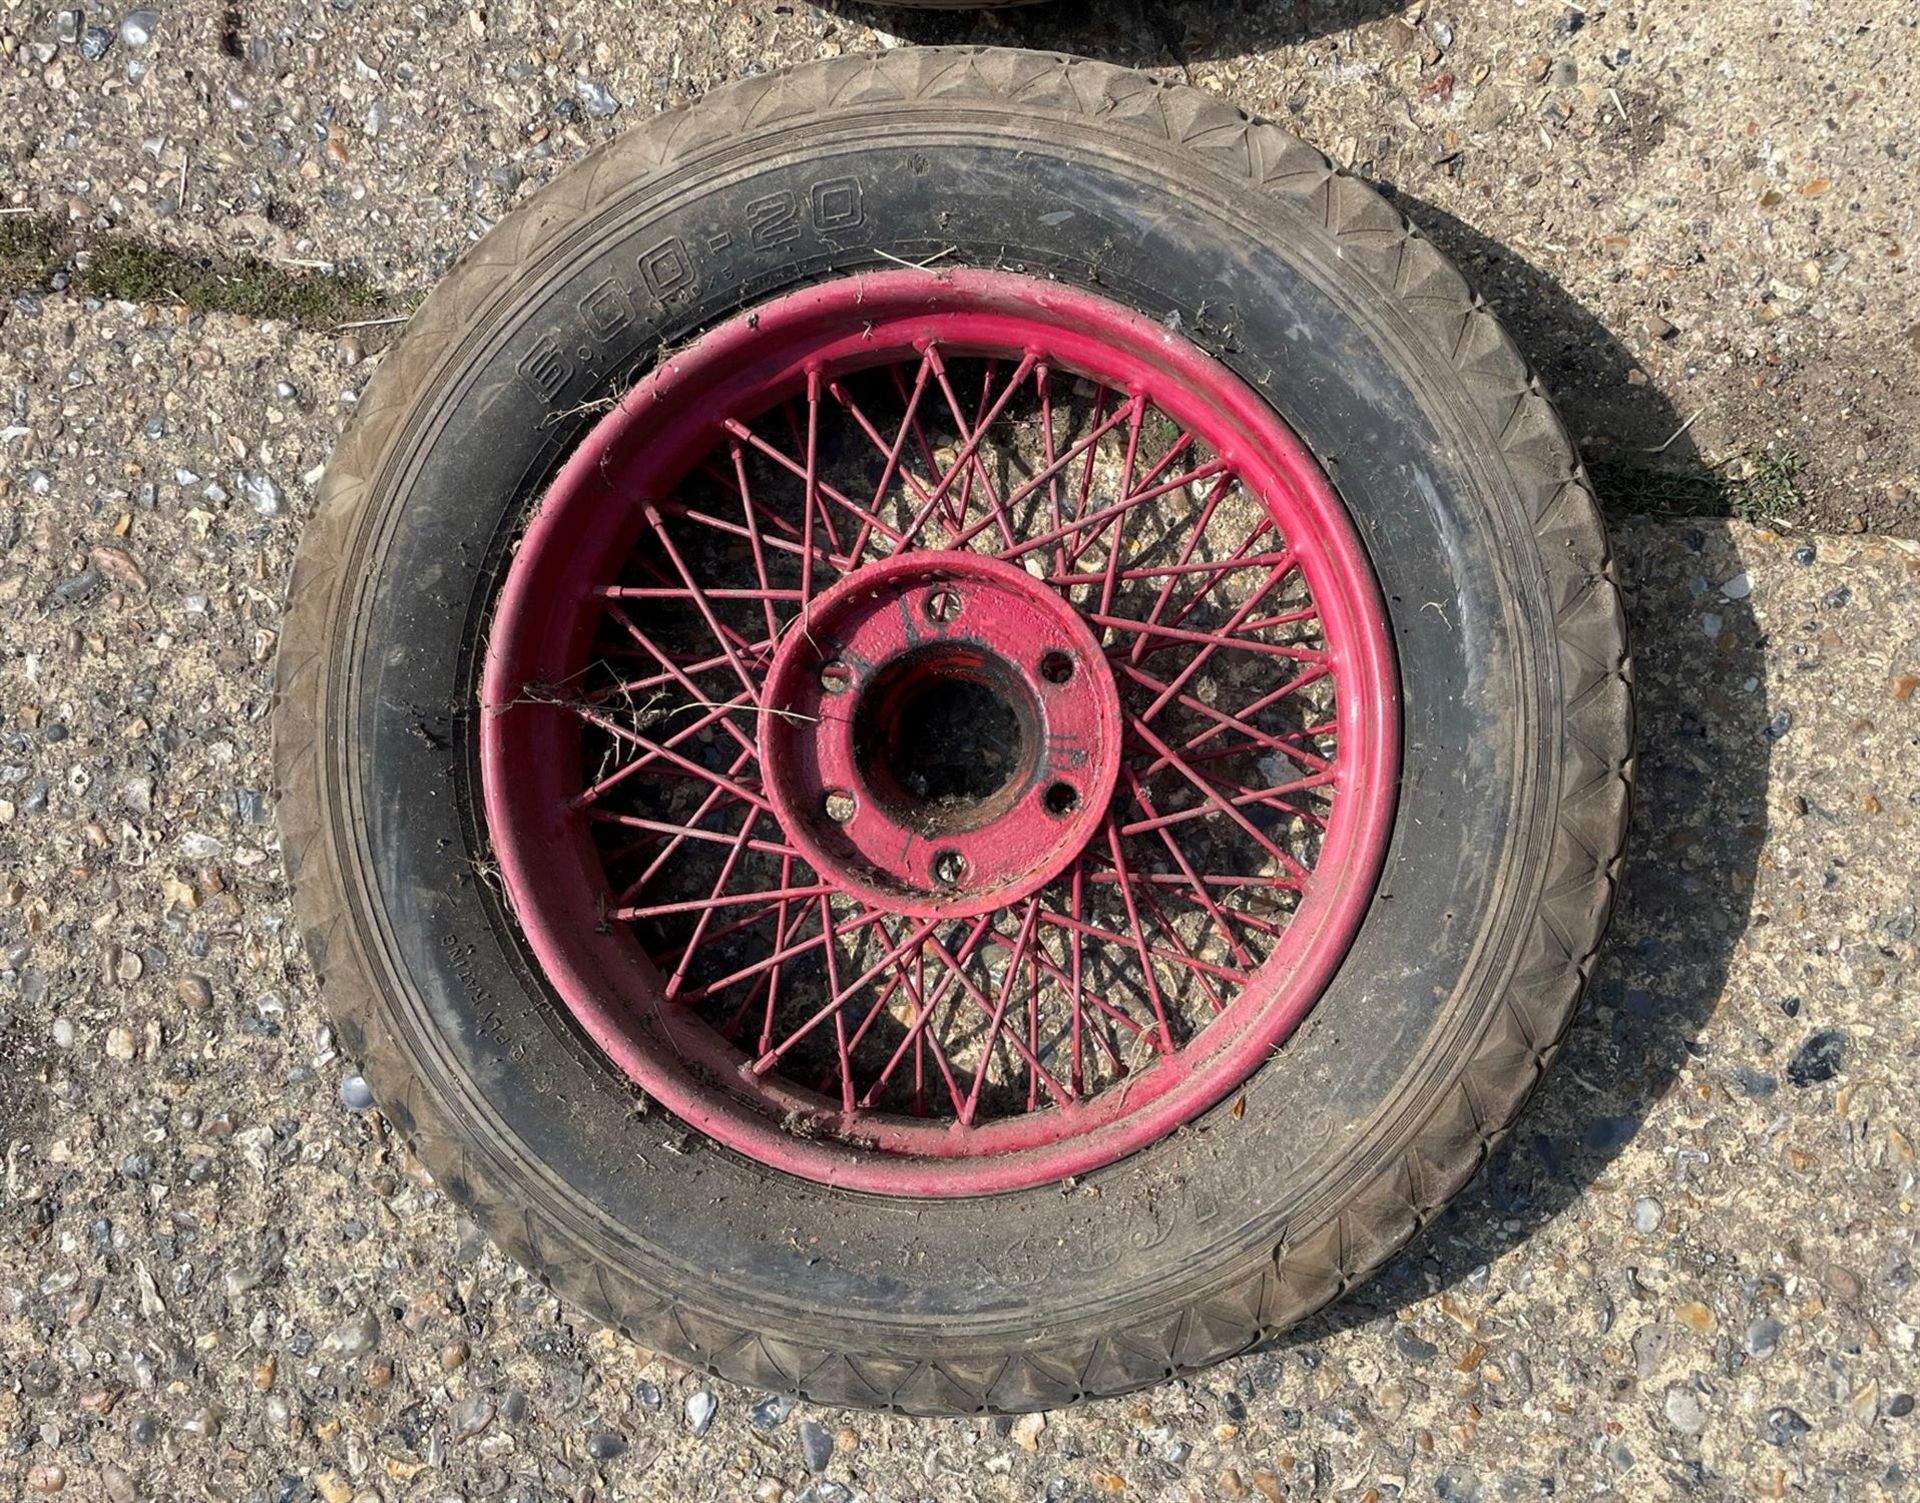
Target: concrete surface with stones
{"points": [[1691, 1274], [1692, 213]]}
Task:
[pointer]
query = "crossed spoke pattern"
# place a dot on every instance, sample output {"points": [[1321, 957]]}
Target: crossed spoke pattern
{"points": [[1226, 684]]}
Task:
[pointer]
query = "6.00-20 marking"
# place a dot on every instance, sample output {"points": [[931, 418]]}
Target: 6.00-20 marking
{"points": [[668, 273]]}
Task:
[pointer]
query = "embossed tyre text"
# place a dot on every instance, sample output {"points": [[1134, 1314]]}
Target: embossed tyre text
{"points": [[955, 732]]}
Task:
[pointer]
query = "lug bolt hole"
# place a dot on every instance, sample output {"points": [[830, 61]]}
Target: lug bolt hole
{"points": [[836, 677], [949, 868], [839, 805], [943, 603], [1056, 668], [1061, 798]]}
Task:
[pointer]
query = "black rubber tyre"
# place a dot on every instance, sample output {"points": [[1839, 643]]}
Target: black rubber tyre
{"points": [[954, 4], [1504, 611]]}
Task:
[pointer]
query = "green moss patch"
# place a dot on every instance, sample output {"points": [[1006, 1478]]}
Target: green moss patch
{"points": [[127, 268]]}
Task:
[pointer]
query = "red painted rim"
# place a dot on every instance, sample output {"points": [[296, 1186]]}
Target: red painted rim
{"points": [[939, 732]]}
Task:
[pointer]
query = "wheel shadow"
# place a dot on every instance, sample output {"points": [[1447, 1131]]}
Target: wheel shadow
{"points": [[1134, 33], [1699, 817]]}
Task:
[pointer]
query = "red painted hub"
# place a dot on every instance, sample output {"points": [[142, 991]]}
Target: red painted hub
{"points": [[939, 733], [944, 737]]}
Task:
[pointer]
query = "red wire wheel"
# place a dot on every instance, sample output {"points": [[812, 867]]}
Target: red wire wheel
{"points": [[939, 732]]}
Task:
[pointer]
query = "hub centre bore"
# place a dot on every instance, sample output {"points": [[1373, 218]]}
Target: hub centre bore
{"points": [[943, 736]]}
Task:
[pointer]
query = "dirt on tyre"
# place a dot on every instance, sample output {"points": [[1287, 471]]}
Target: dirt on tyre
{"points": [[955, 733]]}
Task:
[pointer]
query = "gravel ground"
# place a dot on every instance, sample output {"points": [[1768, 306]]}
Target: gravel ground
{"points": [[1691, 1275], [1694, 213]]}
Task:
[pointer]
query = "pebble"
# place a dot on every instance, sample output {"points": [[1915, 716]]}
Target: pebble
{"points": [[333, 1487], [1755, 1083], [1694, 1316], [471, 1415], [205, 1422], [1454, 1485], [1608, 1135], [1737, 588], [816, 1445], [95, 42], [1412, 1345], [1817, 1059], [136, 27], [1647, 1215], [355, 1337], [266, 497], [1783, 1425], [1763, 1337], [768, 1413], [825, 1492], [1651, 1344], [355, 1094], [1685, 1411], [647, 1395], [599, 101], [701, 1408], [76, 587], [46, 1477], [606, 1445]]}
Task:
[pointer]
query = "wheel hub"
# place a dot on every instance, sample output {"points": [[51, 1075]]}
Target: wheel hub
{"points": [[942, 734]]}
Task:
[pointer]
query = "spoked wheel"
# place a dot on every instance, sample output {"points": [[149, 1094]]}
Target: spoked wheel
{"points": [[938, 732], [947, 754]]}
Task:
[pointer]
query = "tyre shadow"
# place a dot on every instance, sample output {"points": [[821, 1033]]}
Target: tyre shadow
{"points": [[1699, 818], [1134, 33]]}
